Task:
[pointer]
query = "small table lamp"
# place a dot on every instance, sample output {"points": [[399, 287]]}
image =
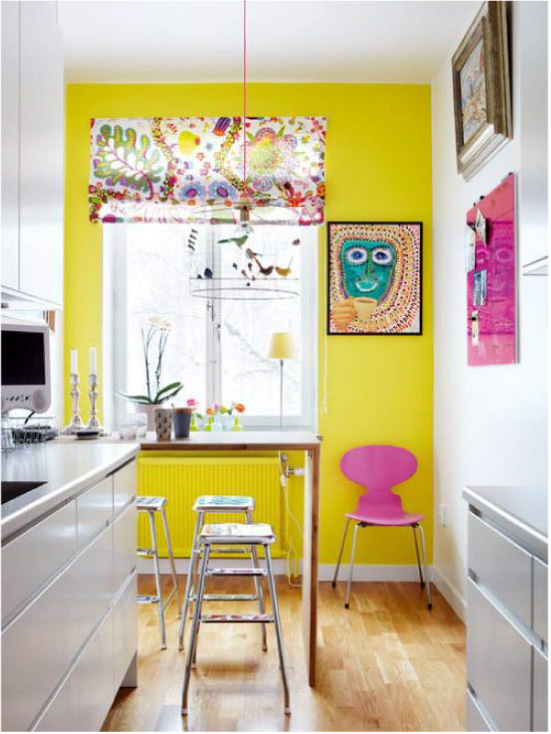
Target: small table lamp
{"points": [[281, 347]]}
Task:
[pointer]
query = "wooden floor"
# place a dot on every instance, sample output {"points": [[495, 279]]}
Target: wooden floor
{"points": [[387, 664]]}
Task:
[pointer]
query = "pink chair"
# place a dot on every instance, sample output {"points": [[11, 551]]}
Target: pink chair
{"points": [[379, 469]]}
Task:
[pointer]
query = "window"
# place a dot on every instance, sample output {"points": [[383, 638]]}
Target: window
{"points": [[217, 346]]}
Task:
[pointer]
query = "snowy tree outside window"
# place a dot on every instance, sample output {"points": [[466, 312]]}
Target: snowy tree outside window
{"points": [[217, 346]]}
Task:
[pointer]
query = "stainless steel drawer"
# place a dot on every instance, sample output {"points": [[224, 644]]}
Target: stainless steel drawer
{"points": [[501, 566], [124, 486], [474, 720], [499, 663], [94, 510], [32, 558], [539, 622], [539, 695]]}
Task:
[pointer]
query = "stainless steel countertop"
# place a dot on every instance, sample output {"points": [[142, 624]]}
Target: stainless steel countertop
{"points": [[521, 510], [67, 469]]}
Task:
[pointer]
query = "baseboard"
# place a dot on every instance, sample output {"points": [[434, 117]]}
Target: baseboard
{"points": [[367, 572], [450, 594], [370, 572]]}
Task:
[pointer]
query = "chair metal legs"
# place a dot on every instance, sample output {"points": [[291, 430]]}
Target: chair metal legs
{"points": [[427, 580], [194, 629], [198, 618], [193, 562], [352, 557], [423, 567], [421, 579], [279, 637], [171, 560], [259, 593], [157, 579], [341, 552]]}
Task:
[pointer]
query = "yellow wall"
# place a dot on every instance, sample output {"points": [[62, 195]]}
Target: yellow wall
{"points": [[378, 167]]}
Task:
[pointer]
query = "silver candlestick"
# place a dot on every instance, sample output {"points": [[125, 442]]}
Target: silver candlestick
{"points": [[93, 424], [76, 423]]}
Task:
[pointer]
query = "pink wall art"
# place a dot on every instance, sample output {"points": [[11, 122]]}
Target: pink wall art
{"points": [[490, 243]]}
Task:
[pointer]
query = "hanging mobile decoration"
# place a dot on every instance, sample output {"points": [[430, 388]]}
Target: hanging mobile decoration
{"points": [[239, 272]]}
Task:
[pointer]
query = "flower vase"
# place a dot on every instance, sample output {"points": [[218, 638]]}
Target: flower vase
{"points": [[193, 424], [236, 424], [208, 425], [216, 424], [225, 420]]}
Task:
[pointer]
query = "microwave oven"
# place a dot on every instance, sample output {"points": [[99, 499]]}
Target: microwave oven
{"points": [[25, 367]]}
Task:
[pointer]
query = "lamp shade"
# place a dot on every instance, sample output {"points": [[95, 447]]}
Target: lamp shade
{"points": [[281, 346]]}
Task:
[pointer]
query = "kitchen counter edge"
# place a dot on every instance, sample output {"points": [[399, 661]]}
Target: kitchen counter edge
{"points": [[518, 528], [38, 509]]}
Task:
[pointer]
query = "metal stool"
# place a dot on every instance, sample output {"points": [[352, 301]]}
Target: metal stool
{"points": [[217, 504], [245, 535], [151, 505]]}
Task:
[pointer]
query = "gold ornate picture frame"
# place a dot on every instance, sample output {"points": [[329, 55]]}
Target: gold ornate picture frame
{"points": [[482, 89]]}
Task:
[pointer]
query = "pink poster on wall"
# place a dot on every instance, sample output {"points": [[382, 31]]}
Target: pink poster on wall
{"points": [[491, 277]]}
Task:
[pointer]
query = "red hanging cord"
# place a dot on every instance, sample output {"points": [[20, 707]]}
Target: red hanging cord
{"points": [[244, 97]]}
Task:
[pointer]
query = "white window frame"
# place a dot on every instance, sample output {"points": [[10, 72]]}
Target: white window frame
{"points": [[114, 300]]}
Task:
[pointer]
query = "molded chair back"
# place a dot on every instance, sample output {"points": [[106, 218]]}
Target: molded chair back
{"points": [[378, 469]]}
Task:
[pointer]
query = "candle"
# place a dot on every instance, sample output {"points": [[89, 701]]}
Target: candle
{"points": [[93, 361], [74, 361]]}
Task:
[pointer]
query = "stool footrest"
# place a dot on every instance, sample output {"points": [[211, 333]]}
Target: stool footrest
{"points": [[237, 551], [148, 599], [236, 572], [227, 618], [227, 597]]}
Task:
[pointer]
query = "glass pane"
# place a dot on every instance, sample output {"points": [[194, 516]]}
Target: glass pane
{"points": [[248, 375], [158, 285]]}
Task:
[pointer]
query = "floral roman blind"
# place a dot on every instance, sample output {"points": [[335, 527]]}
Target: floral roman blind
{"points": [[190, 169]]}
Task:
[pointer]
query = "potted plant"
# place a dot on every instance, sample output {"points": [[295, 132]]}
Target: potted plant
{"points": [[156, 331]]}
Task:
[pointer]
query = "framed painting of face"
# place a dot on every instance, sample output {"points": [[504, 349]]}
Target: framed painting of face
{"points": [[374, 277], [481, 87]]}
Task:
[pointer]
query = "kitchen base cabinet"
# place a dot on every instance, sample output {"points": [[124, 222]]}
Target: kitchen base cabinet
{"points": [[475, 719], [68, 647], [539, 694], [507, 609], [499, 659]]}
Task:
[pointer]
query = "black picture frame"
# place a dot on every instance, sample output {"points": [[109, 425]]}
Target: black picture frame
{"points": [[329, 276]]}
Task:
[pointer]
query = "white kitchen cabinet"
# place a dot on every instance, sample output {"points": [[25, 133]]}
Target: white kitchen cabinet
{"points": [[35, 556], [32, 151], [94, 510], [10, 145], [62, 662], [95, 681]]}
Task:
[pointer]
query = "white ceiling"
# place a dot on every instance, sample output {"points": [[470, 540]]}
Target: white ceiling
{"points": [[156, 41]]}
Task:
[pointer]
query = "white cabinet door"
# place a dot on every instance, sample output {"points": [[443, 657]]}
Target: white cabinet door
{"points": [[30, 560], [41, 130], [126, 628], [10, 145], [125, 543], [94, 678]]}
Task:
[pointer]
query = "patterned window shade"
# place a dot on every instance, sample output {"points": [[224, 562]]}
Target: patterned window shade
{"points": [[190, 169]]}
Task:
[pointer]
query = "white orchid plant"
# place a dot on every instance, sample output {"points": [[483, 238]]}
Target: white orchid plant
{"points": [[156, 329]]}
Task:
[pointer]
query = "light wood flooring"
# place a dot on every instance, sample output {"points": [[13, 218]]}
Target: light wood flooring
{"points": [[386, 664]]}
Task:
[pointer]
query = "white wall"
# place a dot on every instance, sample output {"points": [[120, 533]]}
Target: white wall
{"points": [[490, 423]]}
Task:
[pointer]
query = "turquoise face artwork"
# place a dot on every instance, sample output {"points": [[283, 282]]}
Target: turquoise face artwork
{"points": [[367, 268]]}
